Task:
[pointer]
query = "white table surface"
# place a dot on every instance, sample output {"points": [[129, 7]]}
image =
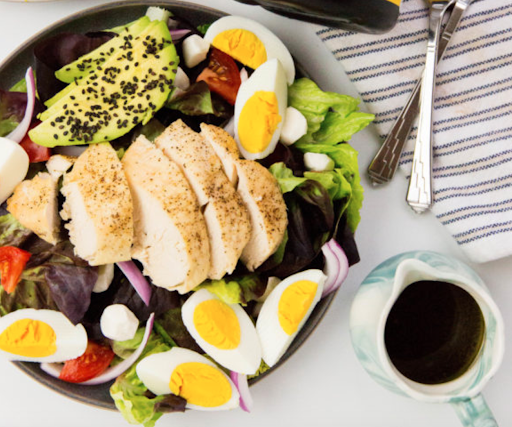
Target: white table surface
{"points": [[323, 384]]}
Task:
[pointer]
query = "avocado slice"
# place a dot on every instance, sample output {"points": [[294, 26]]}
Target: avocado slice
{"points": [[86, 63], [75, 91], [118, 98]]}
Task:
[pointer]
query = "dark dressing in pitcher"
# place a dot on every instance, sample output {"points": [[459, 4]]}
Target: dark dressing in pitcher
{"points": [[434, 332]]}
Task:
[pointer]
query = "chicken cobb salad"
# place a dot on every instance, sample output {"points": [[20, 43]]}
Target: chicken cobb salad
{"points": [[175, 203]]}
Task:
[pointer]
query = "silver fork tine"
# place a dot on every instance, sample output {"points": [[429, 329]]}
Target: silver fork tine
{"points": [[385, 163]]}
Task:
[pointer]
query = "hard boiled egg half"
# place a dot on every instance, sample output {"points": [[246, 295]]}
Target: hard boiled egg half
{"points": [[187, 374], [31, 335], [224, 331], [249, 43], [286, 310], [260, 109]]}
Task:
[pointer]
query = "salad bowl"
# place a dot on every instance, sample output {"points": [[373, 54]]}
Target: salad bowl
{"points": [[95, 19]]}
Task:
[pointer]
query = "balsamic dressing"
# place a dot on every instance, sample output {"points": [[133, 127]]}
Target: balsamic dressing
{"points": [[434, 332]]}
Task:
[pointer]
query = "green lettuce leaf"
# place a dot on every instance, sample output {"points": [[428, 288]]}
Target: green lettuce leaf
{"points": [[28, 294], [332, 120], [124, 349], [12, 233], [335, 182], [152, 129], [171, 328], [240, 290], [261, 370], [131, 396], [197, 100], [11, 105], [53, 277], [285, 178], [21, 86], [314, 104], [337, 127], [203, 28], [345, 159]]}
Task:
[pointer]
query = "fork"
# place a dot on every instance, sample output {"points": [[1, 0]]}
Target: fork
{"points": [[385, 163]]}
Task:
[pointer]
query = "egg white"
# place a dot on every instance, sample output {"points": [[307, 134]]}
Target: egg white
{"points": [[274, 340], [244, 359], [155, 372], [269, 77], [14, 163], [71, 340], [275, 48]]}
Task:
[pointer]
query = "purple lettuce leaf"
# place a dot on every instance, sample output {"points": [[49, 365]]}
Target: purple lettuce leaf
{"points": [[55, 52], [311, 220]]}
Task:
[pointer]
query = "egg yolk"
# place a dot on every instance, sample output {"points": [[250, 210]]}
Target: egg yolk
{"points": [[217, 323], [295, 303], [200, 384], [258, 121], [242, 45], [29, 338]]}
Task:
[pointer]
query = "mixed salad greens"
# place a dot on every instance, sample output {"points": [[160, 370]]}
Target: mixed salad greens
{"points": [[322, 206]]}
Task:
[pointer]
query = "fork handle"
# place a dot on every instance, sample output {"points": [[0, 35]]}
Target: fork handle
{"points": [[385, 163], [419, 193]]}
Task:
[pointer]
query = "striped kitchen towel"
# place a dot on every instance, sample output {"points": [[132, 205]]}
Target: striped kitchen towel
{"points": [[472, 166]]}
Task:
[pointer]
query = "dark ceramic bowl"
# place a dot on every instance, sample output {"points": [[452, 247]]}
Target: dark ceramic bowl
{"points": [[13, 69]]}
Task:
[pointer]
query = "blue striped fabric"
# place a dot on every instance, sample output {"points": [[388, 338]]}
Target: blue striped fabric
{"points": [[472, 113]]}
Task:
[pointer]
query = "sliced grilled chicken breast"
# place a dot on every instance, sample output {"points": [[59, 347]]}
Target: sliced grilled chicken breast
{"points": [[59, 164], [259, 191], [99, 207], [34, 205], [170, 240], [225, 147], [262, 196], [227, 220]]}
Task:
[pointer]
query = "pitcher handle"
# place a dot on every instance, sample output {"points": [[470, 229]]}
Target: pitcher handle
{"points": [[474, 412]]}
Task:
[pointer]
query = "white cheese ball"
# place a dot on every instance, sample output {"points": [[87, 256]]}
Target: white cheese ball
{"points": [[195, 50], [105, 277], [181, 81], [118, 323], [295, 126], [318, 162]]}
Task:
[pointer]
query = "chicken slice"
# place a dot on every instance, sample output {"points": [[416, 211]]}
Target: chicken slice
{"points": [[34, 205], [225, 147], [262, 196], [259, 191], [170, 240], [227, 219], [99, 207], [59, 164]]}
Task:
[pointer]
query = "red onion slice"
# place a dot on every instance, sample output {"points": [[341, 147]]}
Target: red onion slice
{"points": [[21, 130], [178, 34], [244, 75], [54, 369], [336, 266], [241, 383], [137, 280]]}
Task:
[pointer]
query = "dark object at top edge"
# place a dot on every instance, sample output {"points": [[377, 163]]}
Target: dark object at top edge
{"points": [[366, 16]]}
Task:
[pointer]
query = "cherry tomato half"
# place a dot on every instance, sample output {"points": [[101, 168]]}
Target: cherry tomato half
{"points": [[89, 365], [222, 75], [12, 263], [36, 153]]}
